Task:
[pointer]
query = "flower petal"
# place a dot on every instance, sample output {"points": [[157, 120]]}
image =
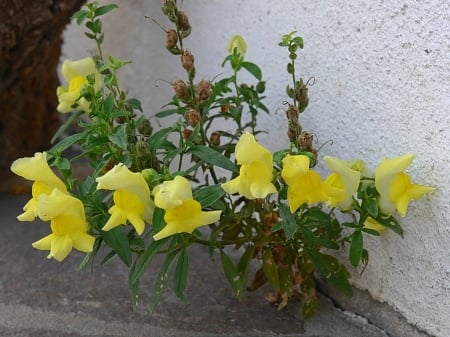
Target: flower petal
{"points": [[171, 193]]}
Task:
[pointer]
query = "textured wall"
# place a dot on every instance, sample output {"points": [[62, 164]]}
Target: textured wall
{"points": [[382, 88]]}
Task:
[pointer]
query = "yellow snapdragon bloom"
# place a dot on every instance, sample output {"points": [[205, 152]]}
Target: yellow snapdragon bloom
{"points": [[183, 214], [395, 187], [342, 184], [304, 185], [75, 73], [255, 175], [131, 198], [68, 225], [238, 42], [45, 180]]}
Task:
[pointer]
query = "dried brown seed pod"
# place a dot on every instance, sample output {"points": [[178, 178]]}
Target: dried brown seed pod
{"points": [[305, 141], [171, 38], [204, 90], [180, 88], [214, 139], [187, 60], [193, 117], [183, 21]]}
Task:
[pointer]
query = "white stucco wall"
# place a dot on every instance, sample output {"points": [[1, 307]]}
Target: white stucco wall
{"points": [[382, 88]]}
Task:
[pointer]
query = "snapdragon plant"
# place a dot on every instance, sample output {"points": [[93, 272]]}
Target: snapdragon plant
{"points": [[205, 180]]}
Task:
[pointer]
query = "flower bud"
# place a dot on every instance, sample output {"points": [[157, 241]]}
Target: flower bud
{"points": [[171, 38], [204, 90], [214, 139], [193, 117], [148, 174], [260, 87], [142, 148], [145, 128], [180, 88], [187, 60]]}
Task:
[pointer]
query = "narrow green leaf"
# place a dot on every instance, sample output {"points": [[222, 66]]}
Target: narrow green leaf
{"points": [[371, 206], [79, 16], [108, 105], [208, 195], [145, 259], [166, 113], [117, 239], [356, 248], [105, 9], [162, 277], [181, 274], [213, 157], [158, 138], [231, 273], [135, 103], [253, 69], [66, 143]]}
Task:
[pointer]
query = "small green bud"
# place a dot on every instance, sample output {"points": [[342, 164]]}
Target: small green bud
{"points": [[148, 174], [237, 42]]}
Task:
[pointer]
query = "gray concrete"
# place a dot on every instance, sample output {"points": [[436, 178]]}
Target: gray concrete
{"points": [[40, 297]]}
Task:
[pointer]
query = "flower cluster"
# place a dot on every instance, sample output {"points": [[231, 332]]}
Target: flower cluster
{"points": [[51, 202], [150, 191]]}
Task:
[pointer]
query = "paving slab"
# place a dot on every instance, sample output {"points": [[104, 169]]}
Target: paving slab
{"points": [[40, 297]]}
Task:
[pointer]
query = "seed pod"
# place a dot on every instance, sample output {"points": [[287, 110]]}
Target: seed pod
{"points": [[204, 90], [187, 133], [187, 60], [301, 95], [193, 117], [292, 114], [180, 88], [305, 141], [214, 139], [171, 38], [183, 21], [225, 108]]}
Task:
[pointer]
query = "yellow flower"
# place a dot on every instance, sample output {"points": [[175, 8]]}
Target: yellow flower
{"points": [[304, 185], [45, 180], [238, 42], [171, 194], [131, 198], [341, 185], [76, 72], [255, 175], [371, 223], [395, 187], [68, 225], [183, 213]]}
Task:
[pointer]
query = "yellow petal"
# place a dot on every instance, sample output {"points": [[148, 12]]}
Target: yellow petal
{"points": [[83, 242], [117, 218], [249, 151], [347, 180], [371, 223], [171, 193], [185, 219], [121, 178], [307, 188], [82, 67], [45, 243], [59, 203], [61, 246], [294, 167], [36, 169]]}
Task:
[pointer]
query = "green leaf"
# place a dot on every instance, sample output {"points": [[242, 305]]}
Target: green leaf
{"points": [[158, 138], [252, 69], [356, 248], [119, 137], [208, 195], [105, 9], [213, 157], [166, 113], [371, 206], [181, 274], [80, 16], [288, 222], [144, 260], [231, 273], [117, 239], [66, 143], [135, 103], [391, 223], [108, 105], [162, 277]]}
